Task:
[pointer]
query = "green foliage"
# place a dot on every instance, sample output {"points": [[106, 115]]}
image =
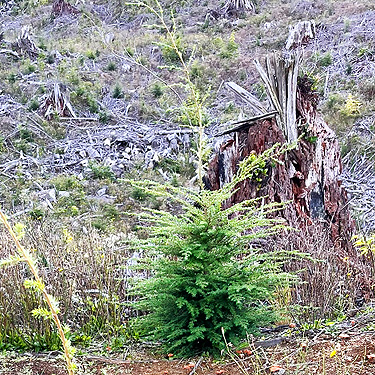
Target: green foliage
{"points": [[206, 275], [66, 183], [157, 90], [11, 339], [139, 194], [104, 117], [25, 133], [188, 114], [169, 51], [352, 106], [92, 55], [101, 172], [118, 92], [36, 284], [325, 60], [29, 67], [33, 105], [2, 144], [111, 66], [229, 50]]}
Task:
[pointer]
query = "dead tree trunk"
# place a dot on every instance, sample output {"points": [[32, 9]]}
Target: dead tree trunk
{"points": [[25, 45], [309, 176]]}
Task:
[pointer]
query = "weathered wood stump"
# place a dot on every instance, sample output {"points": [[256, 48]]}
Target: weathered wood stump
{"points": [[56, 103], [308, 178], [25, 45], [62, 7]]}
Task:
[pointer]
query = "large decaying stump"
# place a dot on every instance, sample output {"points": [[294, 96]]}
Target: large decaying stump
{"points": [[308, 178], [62, 7], [25, 44]]}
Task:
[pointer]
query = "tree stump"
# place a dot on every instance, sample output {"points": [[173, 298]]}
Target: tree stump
{"points": [[62, 7], [308, 178], [25, 45], [57, 103]]}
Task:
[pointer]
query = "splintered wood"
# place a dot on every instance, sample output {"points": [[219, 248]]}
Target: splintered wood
{"points": [[300, 34], [280, 79], [25, 45], [57, 103], [309, 175], [238, 5]]}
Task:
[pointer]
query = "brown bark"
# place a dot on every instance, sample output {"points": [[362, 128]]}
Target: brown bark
{"points": [[62, 7], [309, 178]]}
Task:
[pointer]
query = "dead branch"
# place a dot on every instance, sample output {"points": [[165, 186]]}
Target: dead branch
{"points": [[10, 52], [253, 102]]}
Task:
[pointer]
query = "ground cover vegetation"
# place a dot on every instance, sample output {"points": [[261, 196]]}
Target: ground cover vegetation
{"points": [[97, 232]]}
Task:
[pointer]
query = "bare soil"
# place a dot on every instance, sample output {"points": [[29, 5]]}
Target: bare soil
{"points": [[352, 353]]}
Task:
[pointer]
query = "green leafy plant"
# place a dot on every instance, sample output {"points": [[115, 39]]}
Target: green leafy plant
{"points": [[101, 172], [206, 274], [157, 90], [34, 104], [192, 111], [325, 59], [229, 50], [118, 92], [37, 284], [111, 66]]}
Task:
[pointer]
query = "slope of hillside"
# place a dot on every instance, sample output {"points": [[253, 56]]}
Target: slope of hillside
{"points": [[91, 95]]}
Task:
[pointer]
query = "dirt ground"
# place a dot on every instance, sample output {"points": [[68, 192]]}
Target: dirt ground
{"points": [[351, 353]]}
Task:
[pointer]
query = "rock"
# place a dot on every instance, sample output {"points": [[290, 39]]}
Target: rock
{"points": [[49, 195], [109, 38]]}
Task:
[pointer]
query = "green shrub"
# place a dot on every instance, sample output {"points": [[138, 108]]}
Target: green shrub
{"points": [[139, 194], [118, 93], [33, 105], [25, 134], [157, 90], [111, 66], [101, 172], [66, 183], [104, 117], [325, 60], [170, 54], [206, 276], [92, 55], [230, 49]]}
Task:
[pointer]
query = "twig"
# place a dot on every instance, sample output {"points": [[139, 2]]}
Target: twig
{"points": [[196, 366]]}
